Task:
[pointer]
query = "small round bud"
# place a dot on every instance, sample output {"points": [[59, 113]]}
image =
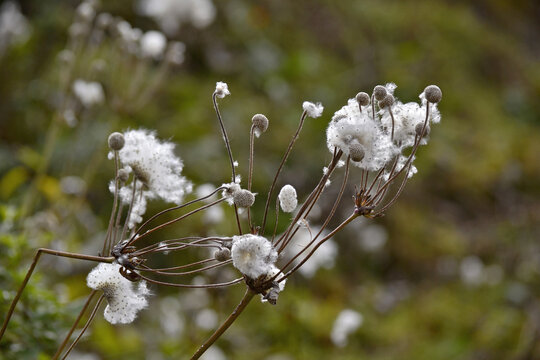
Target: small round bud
{"points": [[123, 175], [356, 151], [433, 94], [362, 98], [419, 128], [222, 254], [387, 101], [243, 198], [260, 123], [116, 141], [379, 92]]}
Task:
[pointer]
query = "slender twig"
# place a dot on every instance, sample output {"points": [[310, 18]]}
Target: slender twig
{"points": [[283, 160], [92, 316], [190, 286], [248, 296], [31, 270], [174, 208], [74, 326], [174, 221], [229, 152], [108, 240]]}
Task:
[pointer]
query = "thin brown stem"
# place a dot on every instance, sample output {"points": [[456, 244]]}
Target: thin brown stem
{"points": [[31, 270], [229, 152], [322, 241], [283, 160], [174, 221], [248, 296], [92, 316], [175, 208], [190, 286], [74, 326]]}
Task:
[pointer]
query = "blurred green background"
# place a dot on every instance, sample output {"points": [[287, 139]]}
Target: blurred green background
{"points": [[451, 272]]}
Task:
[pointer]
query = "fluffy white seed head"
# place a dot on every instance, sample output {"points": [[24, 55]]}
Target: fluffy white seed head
{"points": [[124, 299], [351, 128], [287, 198], [260, 124], [222, 90], [313, 110], [253, 255], [153, 44], [155, 165]]}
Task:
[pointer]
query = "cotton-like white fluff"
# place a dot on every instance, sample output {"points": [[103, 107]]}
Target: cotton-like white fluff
{"points": [[124, 299], [349, 127], [222, 89], [89, 93], [253, 255], [155, 165], [406, 118], [346, 323], [153, 44], [171, 14], [287, 198], [313, 110]]}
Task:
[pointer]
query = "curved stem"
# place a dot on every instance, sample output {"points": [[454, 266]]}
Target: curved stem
{"points": [[229, 152], [92, 316], [289, 148], [70, 332], [228, 322], [31, 270]]}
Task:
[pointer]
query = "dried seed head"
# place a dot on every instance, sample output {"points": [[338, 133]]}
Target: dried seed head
{"points": [[116, 141], [387, 101], [419, 127], [222, 90], [123, 175], [288, 200], [433, 94], [243, 198], [362, 98], [379, 92], [260, 124], [356, 151], [222, 254]]}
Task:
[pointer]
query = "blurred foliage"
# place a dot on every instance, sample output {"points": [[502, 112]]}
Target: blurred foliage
{"points": [[473, 208]]}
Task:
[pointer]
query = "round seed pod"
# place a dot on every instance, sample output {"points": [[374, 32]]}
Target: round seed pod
{"points": [[387, 101], [116, 141], [362, 98], [260, 123], [419, 127], [356, 151], [222, 254], [243, 198], [433, 94], [123, 175], [379, 92]]}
